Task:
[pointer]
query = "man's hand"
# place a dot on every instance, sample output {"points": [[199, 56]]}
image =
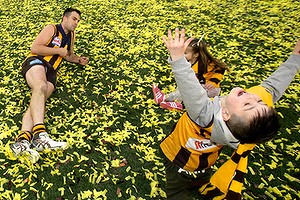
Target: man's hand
{"points": [[297, 48], [83, 60], [63, 52], [178, 45]]}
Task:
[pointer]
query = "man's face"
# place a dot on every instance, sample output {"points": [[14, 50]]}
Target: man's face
{"points": [[243, 104], [72, 21]]}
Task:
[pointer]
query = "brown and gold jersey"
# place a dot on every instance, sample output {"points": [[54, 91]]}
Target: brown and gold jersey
{"points": [[189, 146], [213, 75], [59, 40]]}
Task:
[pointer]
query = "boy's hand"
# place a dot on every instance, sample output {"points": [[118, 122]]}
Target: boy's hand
{"points": [[297, 48], [178, 45]]}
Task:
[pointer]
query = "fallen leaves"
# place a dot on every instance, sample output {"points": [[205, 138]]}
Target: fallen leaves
{"points": [[105, 110]]}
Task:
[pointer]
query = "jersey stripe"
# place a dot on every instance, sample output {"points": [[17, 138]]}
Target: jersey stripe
{"points": [[57, 41]]}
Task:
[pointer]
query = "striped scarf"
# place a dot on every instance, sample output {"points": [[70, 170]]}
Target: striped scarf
{"points": [[228, 180]]}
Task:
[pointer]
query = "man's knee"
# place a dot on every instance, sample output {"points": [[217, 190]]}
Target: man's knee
{"points": [[39, 86]]}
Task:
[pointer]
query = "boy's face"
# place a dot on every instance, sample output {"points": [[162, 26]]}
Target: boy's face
{"points": [[242, 104]]}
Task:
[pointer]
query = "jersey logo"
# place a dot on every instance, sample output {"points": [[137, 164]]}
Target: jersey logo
{"points": [[56, 41], [199, 145]]}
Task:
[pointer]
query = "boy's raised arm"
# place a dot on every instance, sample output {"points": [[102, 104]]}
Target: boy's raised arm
{"points": [[279, 80], [194, 96]]}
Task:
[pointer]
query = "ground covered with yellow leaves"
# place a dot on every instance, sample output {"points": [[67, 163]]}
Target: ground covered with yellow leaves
{"points": [[105, 110]]}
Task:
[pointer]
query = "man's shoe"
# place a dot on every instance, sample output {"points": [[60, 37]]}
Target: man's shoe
{"points": [[159, 96], [42, 141], [171, 105], [22, 147]]}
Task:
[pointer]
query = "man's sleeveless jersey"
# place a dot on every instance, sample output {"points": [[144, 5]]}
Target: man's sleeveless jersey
{"points": [[189, 146], [58, 40]]}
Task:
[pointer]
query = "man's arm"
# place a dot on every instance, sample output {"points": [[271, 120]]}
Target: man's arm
{"points": [[198, 105], [279, 80], [39, 46], [72, 57]]}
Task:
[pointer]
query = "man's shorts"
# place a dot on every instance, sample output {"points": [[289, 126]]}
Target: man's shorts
{"points": [[32, 61]]}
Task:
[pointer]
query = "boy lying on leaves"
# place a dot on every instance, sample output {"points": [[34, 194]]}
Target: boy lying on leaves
{"points": [[240, 120]]}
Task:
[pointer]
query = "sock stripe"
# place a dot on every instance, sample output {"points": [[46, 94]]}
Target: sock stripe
{"points": [[38, 128], [25, 135]]}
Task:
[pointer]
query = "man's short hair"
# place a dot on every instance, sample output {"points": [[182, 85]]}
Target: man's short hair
{"points": [[261, 128], [68, 11]]}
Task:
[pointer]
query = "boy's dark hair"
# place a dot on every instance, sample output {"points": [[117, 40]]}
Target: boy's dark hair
{"points": [[263, 127], [68, 11]]}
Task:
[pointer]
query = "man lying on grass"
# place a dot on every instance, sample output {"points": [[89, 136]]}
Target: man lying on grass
{"points": [[240, 120], [53, 44]]}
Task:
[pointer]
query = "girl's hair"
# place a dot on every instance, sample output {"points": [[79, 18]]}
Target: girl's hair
{"points": [[204, 58]]}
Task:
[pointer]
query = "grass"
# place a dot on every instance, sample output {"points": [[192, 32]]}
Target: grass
{"points": [[105, 110]]}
